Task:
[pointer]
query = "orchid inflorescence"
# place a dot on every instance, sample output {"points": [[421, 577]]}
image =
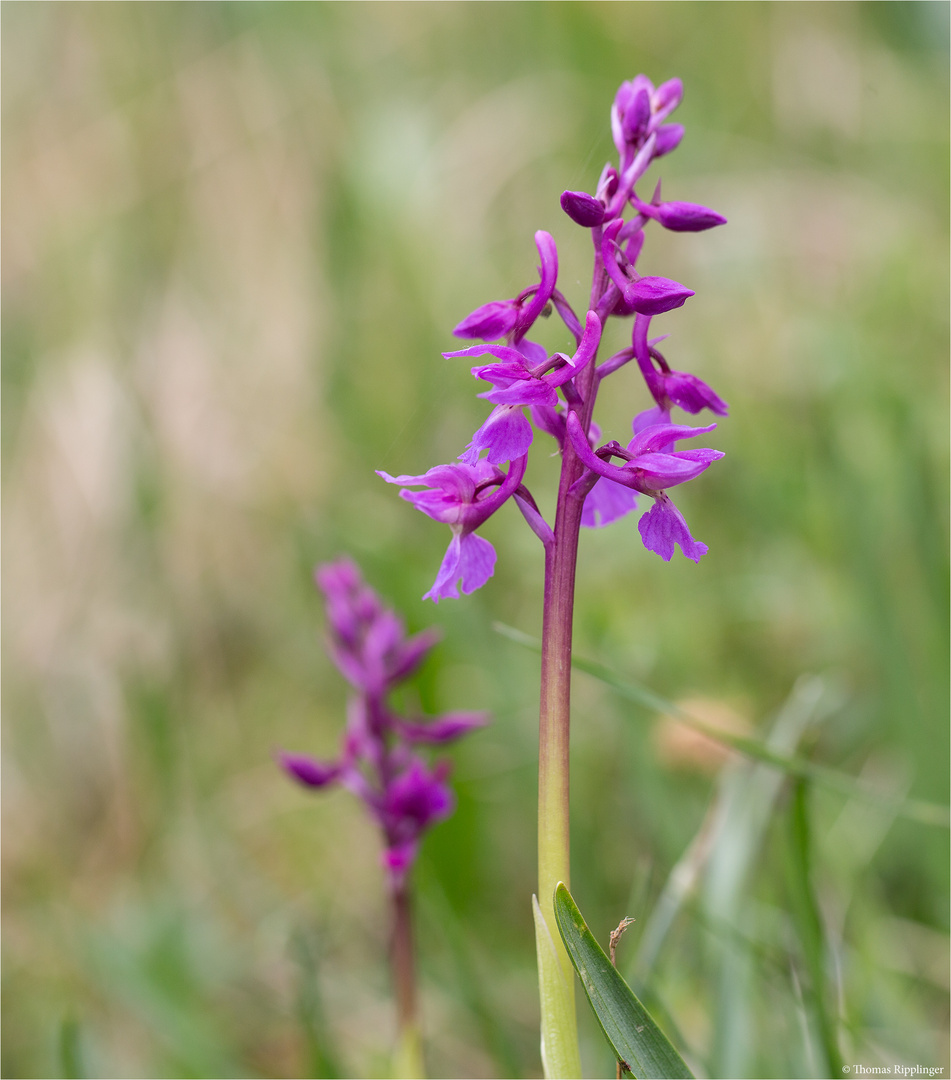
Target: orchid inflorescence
{"points": [[525, 379], [380, 759]]}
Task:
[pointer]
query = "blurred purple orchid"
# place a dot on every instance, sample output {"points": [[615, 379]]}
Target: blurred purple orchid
{"points": [[378, 761]]}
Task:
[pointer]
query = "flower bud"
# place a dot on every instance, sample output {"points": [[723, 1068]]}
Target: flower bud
{"points": [[653, 295], [687, 217], [667, 97], [668, 138], [582, 208], [637, 115]]}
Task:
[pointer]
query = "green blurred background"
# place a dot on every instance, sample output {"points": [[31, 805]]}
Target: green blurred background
{"points": [[237, 237]]}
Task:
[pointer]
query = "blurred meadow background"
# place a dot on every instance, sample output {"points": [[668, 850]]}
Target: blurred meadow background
{"points": [[236, 239]]}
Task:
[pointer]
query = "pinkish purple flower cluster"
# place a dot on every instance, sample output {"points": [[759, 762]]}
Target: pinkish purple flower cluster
{"points": [[532, 390], [380, 760]]}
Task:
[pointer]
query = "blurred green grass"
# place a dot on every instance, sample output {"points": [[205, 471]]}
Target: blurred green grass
{"points": [[237, 237]]}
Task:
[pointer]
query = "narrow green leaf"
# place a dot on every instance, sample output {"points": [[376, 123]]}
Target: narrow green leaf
{"points": [[641, 1047], [926, 813], [807, 919]]}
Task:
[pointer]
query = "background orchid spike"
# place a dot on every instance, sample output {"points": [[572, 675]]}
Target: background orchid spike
{"points": [[378, 760]]}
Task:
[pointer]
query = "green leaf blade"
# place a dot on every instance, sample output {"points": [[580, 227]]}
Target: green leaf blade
{"points": [[639, 1044]]}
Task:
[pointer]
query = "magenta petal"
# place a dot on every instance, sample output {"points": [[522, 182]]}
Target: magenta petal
{"points": [[606, 502], [663, 526], [693, 394], [652, 418], [657, 471], [653, 439], [666, 98], [589, 343], [524, 392], [491, 321], [469, 558], [341, 576], [417, 799], [550, 421], [411, 654], [398, 859], [532, 352], [548, 273], [476, 562], [636, 115], [309, 771], [443, 729], [669, 137], [506, 434], [502, 352]]}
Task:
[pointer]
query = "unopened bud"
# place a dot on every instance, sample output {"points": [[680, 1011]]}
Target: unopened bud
{"points": [[653, 295], [687, 217], [637, 116], [582, 208], [668, 138]]}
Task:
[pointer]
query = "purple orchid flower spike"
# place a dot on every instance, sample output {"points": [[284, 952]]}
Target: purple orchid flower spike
{"points": [[378, 760], [507, 433], [531, 390], [463, 497], [514, 318], [651, 467]]}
